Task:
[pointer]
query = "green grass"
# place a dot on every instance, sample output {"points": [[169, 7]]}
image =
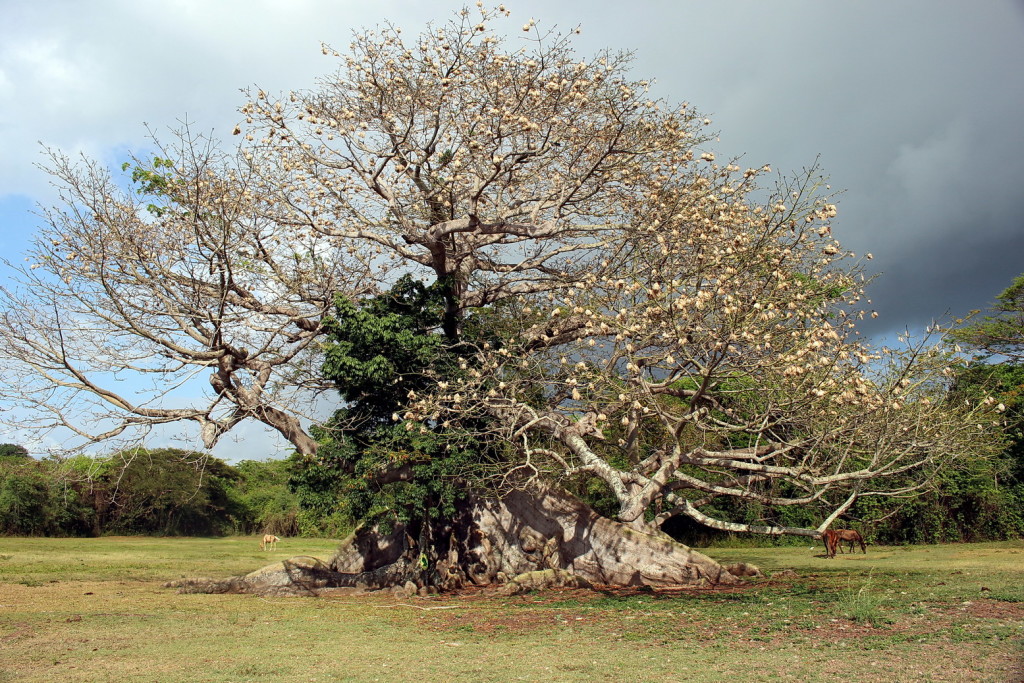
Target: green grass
{"points": [[95, 610], [143, 557], [863, 604]]}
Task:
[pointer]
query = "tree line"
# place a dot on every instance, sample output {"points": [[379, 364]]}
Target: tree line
{"points": [[169, 491], [163, 491]]}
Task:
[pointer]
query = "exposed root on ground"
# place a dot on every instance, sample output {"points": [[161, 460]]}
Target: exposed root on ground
{"points": [[529, 540]]}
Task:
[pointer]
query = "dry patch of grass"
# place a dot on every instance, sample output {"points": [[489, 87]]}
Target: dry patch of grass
{"points": [[94, 609]]}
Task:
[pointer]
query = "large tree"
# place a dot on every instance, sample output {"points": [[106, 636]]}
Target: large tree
{"points": [[672, 331]]}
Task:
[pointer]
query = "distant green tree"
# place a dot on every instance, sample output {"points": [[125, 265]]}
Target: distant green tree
{"points": [[11, 450], [168, 491], [1001, 332], [36, 500], [268, 505], [158, 491], [25, 505]]}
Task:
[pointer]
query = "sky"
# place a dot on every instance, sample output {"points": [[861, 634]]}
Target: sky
{"points": [[913, 108]]}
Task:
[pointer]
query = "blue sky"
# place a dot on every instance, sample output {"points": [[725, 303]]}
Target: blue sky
{"points": [[914, 107]]}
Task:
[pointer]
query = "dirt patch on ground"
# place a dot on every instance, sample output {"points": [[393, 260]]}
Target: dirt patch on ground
{"points": [[485, 612], [939, 621], [17, 632], [994, 609], [553, 595], [979, 640]]}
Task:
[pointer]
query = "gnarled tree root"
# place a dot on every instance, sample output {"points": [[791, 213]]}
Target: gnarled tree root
{"points": [[542, 536], [302, 575]]}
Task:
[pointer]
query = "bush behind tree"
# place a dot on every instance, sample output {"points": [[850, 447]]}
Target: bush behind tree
{"points": [[162, 491]]}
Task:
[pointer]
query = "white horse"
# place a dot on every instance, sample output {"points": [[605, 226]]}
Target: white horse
{"points": [[269, 540]]}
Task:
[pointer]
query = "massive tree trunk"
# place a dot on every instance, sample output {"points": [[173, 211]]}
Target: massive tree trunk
{"points": [[539, 536]]}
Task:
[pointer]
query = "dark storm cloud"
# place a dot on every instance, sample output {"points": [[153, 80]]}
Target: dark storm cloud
{"points": [[915, 109]]}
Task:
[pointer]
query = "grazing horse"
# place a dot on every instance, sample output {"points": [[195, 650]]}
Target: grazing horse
{"points": [[851, 536], [269, 540], [835, 537], [831, 538]]}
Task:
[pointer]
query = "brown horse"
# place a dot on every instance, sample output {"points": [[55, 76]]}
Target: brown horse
{"points": [[831, 539], [851, 536], [835, 537]]}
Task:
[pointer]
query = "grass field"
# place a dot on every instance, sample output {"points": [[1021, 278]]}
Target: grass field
{"points": [[95, 610]]}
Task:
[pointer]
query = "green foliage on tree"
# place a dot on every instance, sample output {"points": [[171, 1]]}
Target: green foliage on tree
{"points": [[1001, 333], [370, 463], [157, 182], [25, 504]]}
